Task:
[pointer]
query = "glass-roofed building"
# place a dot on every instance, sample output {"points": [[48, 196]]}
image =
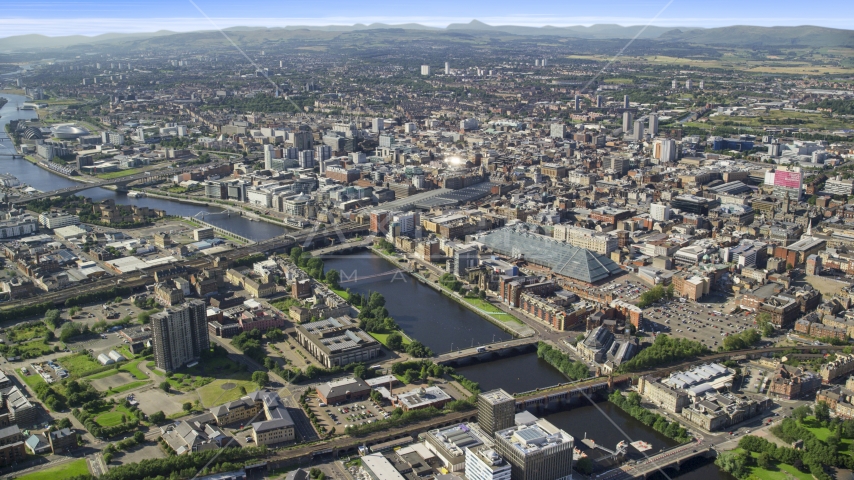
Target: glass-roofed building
{"points": [[520, 241]]}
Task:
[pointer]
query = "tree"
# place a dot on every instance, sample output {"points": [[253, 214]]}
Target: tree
{"points": [[157, 417], [822, 411], [801, 412], [242, 390], [332, 277], [359, 371], [108, 457], [295, 254], [261, 378], [584, 466], [763, 460], [144, 318], [139, 437], [165, 386], [117, 300], [52, 318], [187, 406], [274, 335], [418, 350], [394, 341]]}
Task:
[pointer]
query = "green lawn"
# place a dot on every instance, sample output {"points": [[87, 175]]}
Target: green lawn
{"points": [[213, 394], [491, 309], [779, 471], [383, 338], [78, 364], [128, 386], [341, 293], [34, 349], [27, 333], [120, 173], [33, 379], [822, 433], [133, 369], [76, 468], [113, 417]]}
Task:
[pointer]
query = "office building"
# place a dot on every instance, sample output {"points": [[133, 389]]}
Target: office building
{"points": [[180, 335], [377, 125], [336, 342], [653, 124], [449, 445], [425, 69], [659, 212], [674, 84], [465, 258], [536, 451], [322, 153], [557, 130], [447, 68], [306, 159], [54, 220], [788, 182], [268, 157], [484, 463], [496, 410], [302, 138], [838, 186], [691, 204], [627, 122]]}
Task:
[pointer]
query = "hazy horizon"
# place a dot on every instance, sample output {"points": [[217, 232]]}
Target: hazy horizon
{"points": [[51, 18]]}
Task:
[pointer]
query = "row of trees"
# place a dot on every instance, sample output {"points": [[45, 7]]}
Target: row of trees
{"points": [[631, 404], [98, 296], [304, 260], [561, 361], [18, 313], [664, 350], [187, 466]]}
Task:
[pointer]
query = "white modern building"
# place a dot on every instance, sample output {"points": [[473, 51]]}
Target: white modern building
{"points": [[659, 212]]}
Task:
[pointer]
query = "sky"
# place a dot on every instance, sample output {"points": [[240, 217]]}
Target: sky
{"points": [[93, 17]]}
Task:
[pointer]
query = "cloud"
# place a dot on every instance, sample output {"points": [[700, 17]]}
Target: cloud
{"points": [[96, 26]]}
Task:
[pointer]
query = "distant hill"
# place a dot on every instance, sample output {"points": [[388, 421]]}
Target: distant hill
{"points": [[745, 35], [599, 31], [741, 35], [36, 42]]}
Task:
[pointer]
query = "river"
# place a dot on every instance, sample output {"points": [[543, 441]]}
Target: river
{"points": [[45, 180], [518, 374], [422, 313]]}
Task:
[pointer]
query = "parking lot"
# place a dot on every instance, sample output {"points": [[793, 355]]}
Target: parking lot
{"points": [[705, 322], [354, 413], [627, 289]]}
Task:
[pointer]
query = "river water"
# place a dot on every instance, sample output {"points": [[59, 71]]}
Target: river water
{"points": [[518, 374], [45, 180], [422, 313]]}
